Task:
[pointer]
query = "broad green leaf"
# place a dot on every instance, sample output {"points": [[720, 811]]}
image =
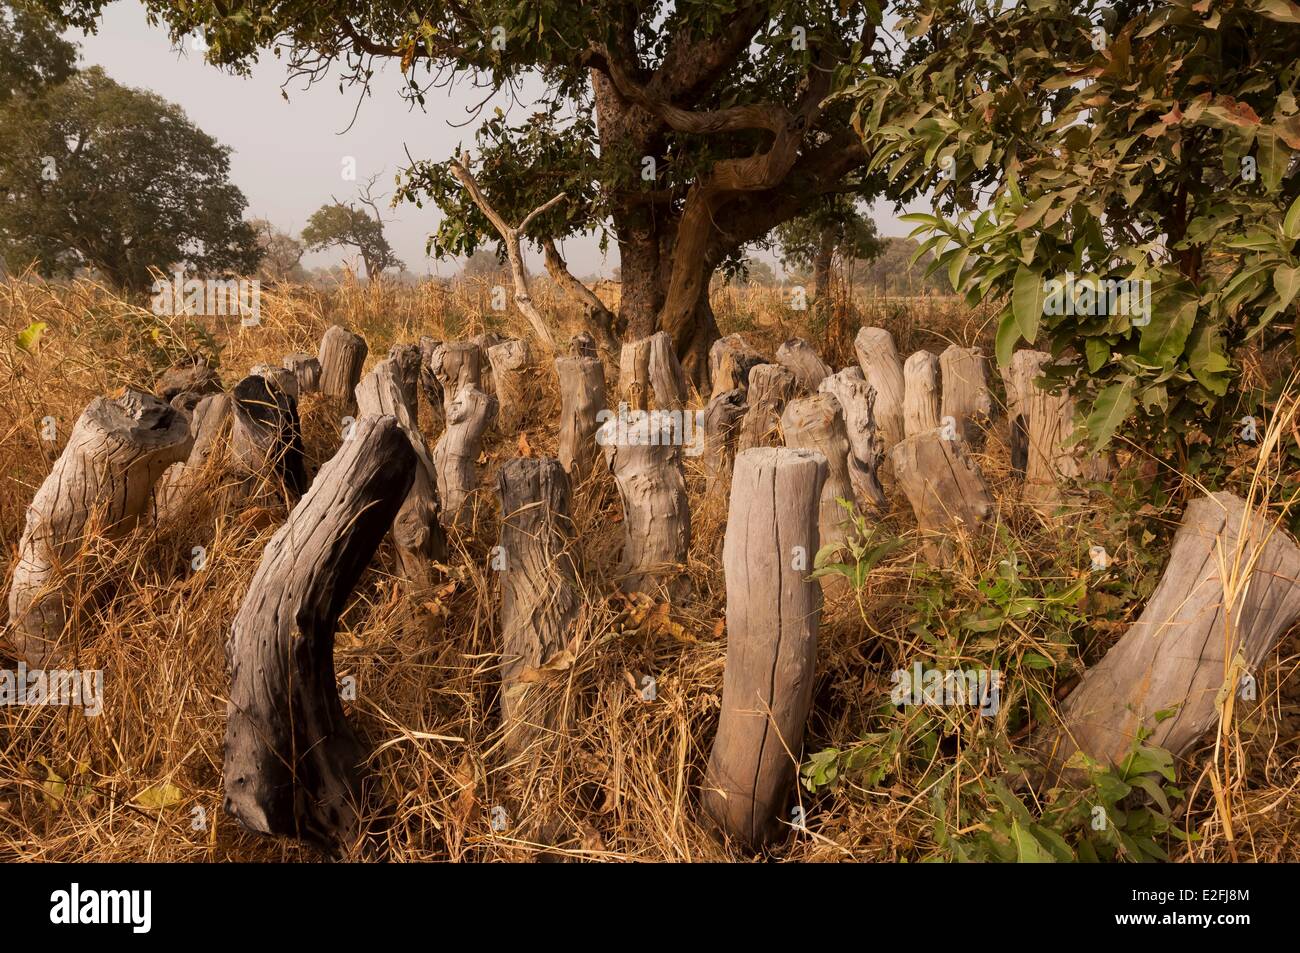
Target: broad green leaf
{"points": [[1007, 336], [1291, 224], [1286, 281], [1172, 315], [1109, 410], [30, 336], [1027, 297]]}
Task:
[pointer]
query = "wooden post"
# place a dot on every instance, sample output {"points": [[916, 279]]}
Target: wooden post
{"points": [[429, 383], [209, 426], [342, 356], [817, 423], [280, 377], [583, 344], [418, 536], [582, 396], [193, 377], [722, 420], [884, 372], [650, 374], [513, 377], [306, 369], [857, 402], [803, 361], [539, 595], [267, 438], [966, 397], [921, 393], [103, 481], [772, 617], [1229, 592], [770, 386], [456, 364], [945, 488], [291, 758], [407, 363], [730, 360], [456, 451]]}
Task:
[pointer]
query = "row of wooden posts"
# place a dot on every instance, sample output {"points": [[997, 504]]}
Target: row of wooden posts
{"points": [[785, 442]]}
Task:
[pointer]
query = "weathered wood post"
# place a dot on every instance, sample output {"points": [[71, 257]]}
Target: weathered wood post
{"points": [[417, 533], [456, 451], [102, 481], [209, 425], [921, 393], [817, 423], [193, 377], [770, 386], [966, 397], [1229, 592], [582, 397], [291, 758], [456, 364], [650, 374], [306, 368], [513, 376], [857, 402], [878, 358], [803, 361], [539, 595], [407, 363], [429, 383], [722, 418], [773, 611], [945, 488], [730, 360], [342, 356], [280, 377], [266, 441]]}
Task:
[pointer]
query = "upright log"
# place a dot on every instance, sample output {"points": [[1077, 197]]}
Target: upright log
{"points": [[209, 426], [773, 612], [582, 396], [722, 419], [945, 488], [966, 397], [817, 423], [267, 438], [456, 364], [306, 369], [418, 536], [921, 393], [770, 386], [857, 403], [457, 450], [280, 377], [539, 595], [884, 372], [291, 758], [407, 363], [803, 361], [194, 376], [429, 383], [342, 356], [1229, 592], [102, 481], [512, 374], [583, 344], [650, 374], [731, 358]]}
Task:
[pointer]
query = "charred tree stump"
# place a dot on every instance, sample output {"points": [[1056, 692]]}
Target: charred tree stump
{"points": [[306, 369], [209, 426], [1229, 592], [342, 356], [267, 438], [103, 481], [770, 386], [417, 533], [966, 397], [457, 450], [921, 394], [817, 423], [582, 396], [280, 377], [656, 514], [773, 612], [513, 377], [456, 364], [803, 361], [722, 419], [731, 358], [291, 758], [884, 372], [650, 374], [539, 596], [857, 403], [945, 488]]}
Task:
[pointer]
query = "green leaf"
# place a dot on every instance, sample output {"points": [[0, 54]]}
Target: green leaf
{"points": [[1028, 850], [1291, 224], [1286, 281], [1007, 336], [1027, 297], [30, 336], [1172, 315], [1098, 353], [159, 796], [1111, 408]]}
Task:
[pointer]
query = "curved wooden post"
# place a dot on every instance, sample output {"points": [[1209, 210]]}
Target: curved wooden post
{"points": [[102, 482], [291, 758], [582, 396], [857, 403], [773, 610], [209, 426], [921, 394], [803, 361], [267, 437], [406, 366], [945, 488], [456, 364], [342, 357], [770, 386], [878, 358], [457, 450], [817, 423], [730, 360], [429, 383]]}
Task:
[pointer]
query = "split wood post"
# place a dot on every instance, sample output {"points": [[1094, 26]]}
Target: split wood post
{"points": [[730, 360], [417, 533], [291, 758], [920, 394], [484, 342], [280, 377], [193, 377], [583, 344], [945, 488], [650, 374], [515, 382], [722, 419], [306, 368], [456, 364], [966, 397], [266, 441], [817, 423], [770, 386], [102, 482], [656, 513], [773, 610], [803, 361], [429, 383], [1230, 590], [457, 450], [342, 356], [582, 397], [857, 402], [407, 362], [539, 596], [209, 426], [878, 358]]}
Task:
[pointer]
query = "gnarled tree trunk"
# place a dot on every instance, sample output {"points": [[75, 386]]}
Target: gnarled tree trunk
{"points": [[857, 403], [803, 361], [650, 374], [945, 488], [878, 358], [731, 358], [306, 370], [515, 382], [267, 439], [280, 377], [921, 393], [656, 514], [817, 423], [456, 364], [722, 420], [407, 363], [429, 383], [456, 451], [966, 397], [209, 427]]}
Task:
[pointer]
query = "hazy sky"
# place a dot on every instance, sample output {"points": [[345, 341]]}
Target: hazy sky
{"points": [[288, 155]]}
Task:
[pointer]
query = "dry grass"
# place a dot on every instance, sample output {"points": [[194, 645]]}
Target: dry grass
{"points": [[623, 782]]}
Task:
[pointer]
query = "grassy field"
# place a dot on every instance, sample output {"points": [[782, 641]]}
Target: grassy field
{"points": [[143, 780]]}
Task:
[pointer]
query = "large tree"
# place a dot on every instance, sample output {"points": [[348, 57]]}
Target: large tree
{"points": [[32, 54], [93, 174], [684, 131]]}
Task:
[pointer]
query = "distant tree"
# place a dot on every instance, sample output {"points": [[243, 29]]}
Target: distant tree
{"points": [[834, 230], [893, 272], [347, 226], [32, 54], [281, 252], [482, 264], [756, 272], [93, 174]]}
